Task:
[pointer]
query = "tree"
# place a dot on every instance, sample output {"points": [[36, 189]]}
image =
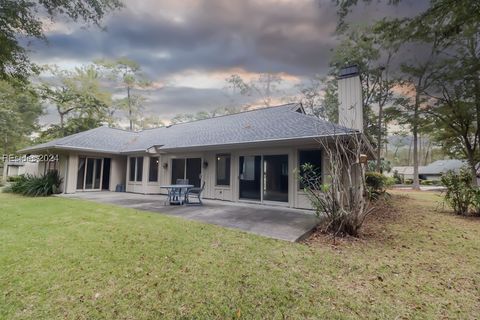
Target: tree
{"points": [[372, 50], [200, 115], [76, 94], [450, 29], [339, 199], [149, 122], [319, 97], [20, 109], [25, 18], [128, 75], [263, 87]]}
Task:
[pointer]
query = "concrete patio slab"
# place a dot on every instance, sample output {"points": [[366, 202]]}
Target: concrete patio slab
{"points": [[273, 222]]}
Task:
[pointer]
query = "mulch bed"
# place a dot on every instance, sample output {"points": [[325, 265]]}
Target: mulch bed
{"points": [[374, 228]]}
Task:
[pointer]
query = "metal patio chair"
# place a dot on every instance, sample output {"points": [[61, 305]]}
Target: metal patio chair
{"points": [[195, 193], [178, 194]]}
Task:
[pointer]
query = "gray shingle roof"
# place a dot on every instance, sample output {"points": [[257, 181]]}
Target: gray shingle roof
{"points": [[442, 166], [268, 124]]}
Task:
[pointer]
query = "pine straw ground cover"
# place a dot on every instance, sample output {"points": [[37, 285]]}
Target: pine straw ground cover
{"points": [[72, 259]]}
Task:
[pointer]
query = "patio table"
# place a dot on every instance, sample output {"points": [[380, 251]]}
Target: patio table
{"points": [[176, 192]]}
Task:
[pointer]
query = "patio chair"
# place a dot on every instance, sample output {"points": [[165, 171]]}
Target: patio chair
{"points": [[181, 181], [196, 193], [177, 195]]}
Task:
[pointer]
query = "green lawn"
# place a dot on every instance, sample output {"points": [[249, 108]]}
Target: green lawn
{"points": [[69, 259]]}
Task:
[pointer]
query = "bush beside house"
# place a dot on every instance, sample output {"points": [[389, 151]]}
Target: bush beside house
{"points": [[36, 186]]}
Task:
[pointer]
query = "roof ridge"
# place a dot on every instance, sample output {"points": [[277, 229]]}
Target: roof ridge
{"points": [[231, 114]]}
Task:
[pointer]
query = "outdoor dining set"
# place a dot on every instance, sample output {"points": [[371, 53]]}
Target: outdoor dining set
{"points": [[182, 193]]}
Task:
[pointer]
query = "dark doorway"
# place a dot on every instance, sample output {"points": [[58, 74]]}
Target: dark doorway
{"points": [[190, 168], [106, 174], [250, 172], [275, 178], [178, 170], [194, 171]]}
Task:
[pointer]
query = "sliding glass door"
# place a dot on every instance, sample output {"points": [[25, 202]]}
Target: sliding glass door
{"points": [[275, 178], [250, 173], [89, 174], [264, 178], [187, 168]]}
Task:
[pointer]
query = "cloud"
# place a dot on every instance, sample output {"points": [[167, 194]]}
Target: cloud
{"points": [[174, 39]]}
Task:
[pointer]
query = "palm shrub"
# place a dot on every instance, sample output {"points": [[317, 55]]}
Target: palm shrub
{"points": [[37, 186], [460, 194]]}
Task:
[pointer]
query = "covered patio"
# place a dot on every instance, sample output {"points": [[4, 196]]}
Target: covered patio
{"points": [[268, 221]]}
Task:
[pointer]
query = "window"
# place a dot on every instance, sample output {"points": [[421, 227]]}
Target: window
{"points": [[136, 169], [153, 169], [313, 157], [89, 173], [223, 169], [139, 168]]}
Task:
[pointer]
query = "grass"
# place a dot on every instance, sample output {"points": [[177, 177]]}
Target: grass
{"points": [[71, 259]]}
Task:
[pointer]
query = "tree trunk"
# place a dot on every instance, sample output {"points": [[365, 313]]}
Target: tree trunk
{"points": [[62, 123], [416, 180], [379, 138], [129, 108]]}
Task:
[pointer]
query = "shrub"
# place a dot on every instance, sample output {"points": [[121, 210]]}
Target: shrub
{"points": [[397, 177], [430, 182], [14, 178], [34, 186], [408, 181], [475, 200], [376, 184], [459, 194]]}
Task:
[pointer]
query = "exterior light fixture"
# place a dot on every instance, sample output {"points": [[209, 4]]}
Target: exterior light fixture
{"points": [[165, 165], [205, 164]]}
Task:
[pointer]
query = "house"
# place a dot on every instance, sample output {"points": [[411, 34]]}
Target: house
{"points": [[17, 168], [248, 156], [436, 169], [432, 171]]}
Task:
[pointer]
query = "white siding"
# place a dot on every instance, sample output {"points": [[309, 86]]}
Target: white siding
{"points": [[350, 111]]}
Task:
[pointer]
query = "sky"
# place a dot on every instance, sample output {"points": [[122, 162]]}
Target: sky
{"points": [[188, 48]]}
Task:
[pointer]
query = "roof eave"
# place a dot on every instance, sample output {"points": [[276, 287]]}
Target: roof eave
{"points": [[33, 150]]}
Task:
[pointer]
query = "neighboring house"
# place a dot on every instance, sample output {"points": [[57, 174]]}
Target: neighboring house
{"points": [[436, 169], [17, 168], [248, 156], [404, 172], [433, 171]]}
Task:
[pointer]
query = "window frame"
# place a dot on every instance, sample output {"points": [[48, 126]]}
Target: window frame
{"points": [[228, 171], [156, 164], [299, 184], [136, 172]]}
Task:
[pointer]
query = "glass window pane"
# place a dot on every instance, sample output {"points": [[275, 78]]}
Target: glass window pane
{"points": [[89, 175], [98, 173], [153, 169], [223, 169], [131, 176], [194, 171], [313, 157], [178, 170], [80, 173], [139, 168], [275, 178], [250, 171]]}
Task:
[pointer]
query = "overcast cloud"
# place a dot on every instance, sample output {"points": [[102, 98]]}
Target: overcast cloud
{"points": [[189, 47]]}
